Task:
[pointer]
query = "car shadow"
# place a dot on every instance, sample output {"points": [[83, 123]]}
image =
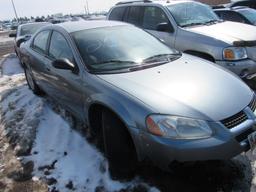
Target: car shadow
{"points": [[226, 175]]}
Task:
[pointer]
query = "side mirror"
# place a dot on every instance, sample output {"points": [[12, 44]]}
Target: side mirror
{"points": [[63, 64], [12, 34], [22, 39], [164, 27]]}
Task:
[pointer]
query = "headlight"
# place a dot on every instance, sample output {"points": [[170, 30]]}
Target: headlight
{"points": [[234, 53], [177, 127]]}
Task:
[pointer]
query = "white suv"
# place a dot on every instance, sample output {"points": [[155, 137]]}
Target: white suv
{"points": [[195, 29]]}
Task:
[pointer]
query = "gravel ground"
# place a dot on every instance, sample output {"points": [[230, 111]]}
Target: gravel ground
{"points": [[18, 133]]}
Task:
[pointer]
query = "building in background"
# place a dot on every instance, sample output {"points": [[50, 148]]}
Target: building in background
{"points": [[214, 2]]}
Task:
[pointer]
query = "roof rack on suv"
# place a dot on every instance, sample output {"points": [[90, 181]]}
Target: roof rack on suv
{"points": [[134, 1]]}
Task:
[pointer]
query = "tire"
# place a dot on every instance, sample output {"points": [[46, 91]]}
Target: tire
{"points": [[31, 82], [118, 147], [16, 53]]}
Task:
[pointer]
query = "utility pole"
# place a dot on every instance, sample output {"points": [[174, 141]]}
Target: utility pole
{"points": [[87, 5], [85, 10], [16, 15]]}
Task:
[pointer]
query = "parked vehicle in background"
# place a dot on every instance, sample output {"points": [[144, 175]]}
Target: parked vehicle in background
{"points": [[239, 3], [247, 3], [7, 25], [238, 14], [140, 98], [195, 29], [23, 33], [14, 26], [97, 17]]}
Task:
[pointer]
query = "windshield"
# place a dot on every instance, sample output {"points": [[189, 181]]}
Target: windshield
{"points": [[250, 14], [30, 29], [120, 47], [191, 13]]}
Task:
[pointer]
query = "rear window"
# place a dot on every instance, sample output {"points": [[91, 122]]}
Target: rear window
{"points": [[30, 29], [117, 14]]}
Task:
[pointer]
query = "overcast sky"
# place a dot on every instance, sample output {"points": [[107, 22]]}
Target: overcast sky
{"points": [[47, 7]]}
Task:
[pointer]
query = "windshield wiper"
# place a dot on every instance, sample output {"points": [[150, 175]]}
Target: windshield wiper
{"points": [[167, 57], [192, 24], [132, 66], [155, 61], [213, 21], [114, 61]]}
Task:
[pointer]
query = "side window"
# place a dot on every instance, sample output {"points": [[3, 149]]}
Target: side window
{"points": [[40, 41], [117, 14], [152, 17], [134, 16], [59, 47], [232, 16]]}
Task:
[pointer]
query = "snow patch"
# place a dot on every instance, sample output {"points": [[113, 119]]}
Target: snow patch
{"points": [[76, 160]]}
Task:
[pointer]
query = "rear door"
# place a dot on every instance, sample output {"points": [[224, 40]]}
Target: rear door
{"points": [[152, 17], [65, 84]]}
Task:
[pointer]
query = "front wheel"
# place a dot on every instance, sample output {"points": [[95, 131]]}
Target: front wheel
{"points": [[118, 146], [31, 82]]}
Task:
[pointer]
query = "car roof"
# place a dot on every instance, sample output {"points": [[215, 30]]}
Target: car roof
{"points": [[74, 26], [34, 23], [161, 2]]}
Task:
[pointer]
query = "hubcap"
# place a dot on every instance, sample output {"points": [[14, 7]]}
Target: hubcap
{"points": [[30, 79]]}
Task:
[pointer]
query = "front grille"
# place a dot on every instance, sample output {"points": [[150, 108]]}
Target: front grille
{"points": [[234, 120], [244, 43], [243, 136], [252, 104], [239, 117]]}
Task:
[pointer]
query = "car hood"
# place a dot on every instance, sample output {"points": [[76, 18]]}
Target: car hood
{"points": [[188, 87], [227, 31]]}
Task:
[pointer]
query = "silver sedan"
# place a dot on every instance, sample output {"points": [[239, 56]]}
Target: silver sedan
{"points": [[141, 99]]}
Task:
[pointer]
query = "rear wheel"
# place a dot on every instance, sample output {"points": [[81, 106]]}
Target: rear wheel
{"points": [[31, 83], [118, 147]]}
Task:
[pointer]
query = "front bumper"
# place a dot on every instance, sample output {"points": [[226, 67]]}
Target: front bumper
{"points": [[246, 69], [224, 144]]}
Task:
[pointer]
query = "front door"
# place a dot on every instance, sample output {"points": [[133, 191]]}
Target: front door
{"points": [[153, 16], [65, 84]]}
